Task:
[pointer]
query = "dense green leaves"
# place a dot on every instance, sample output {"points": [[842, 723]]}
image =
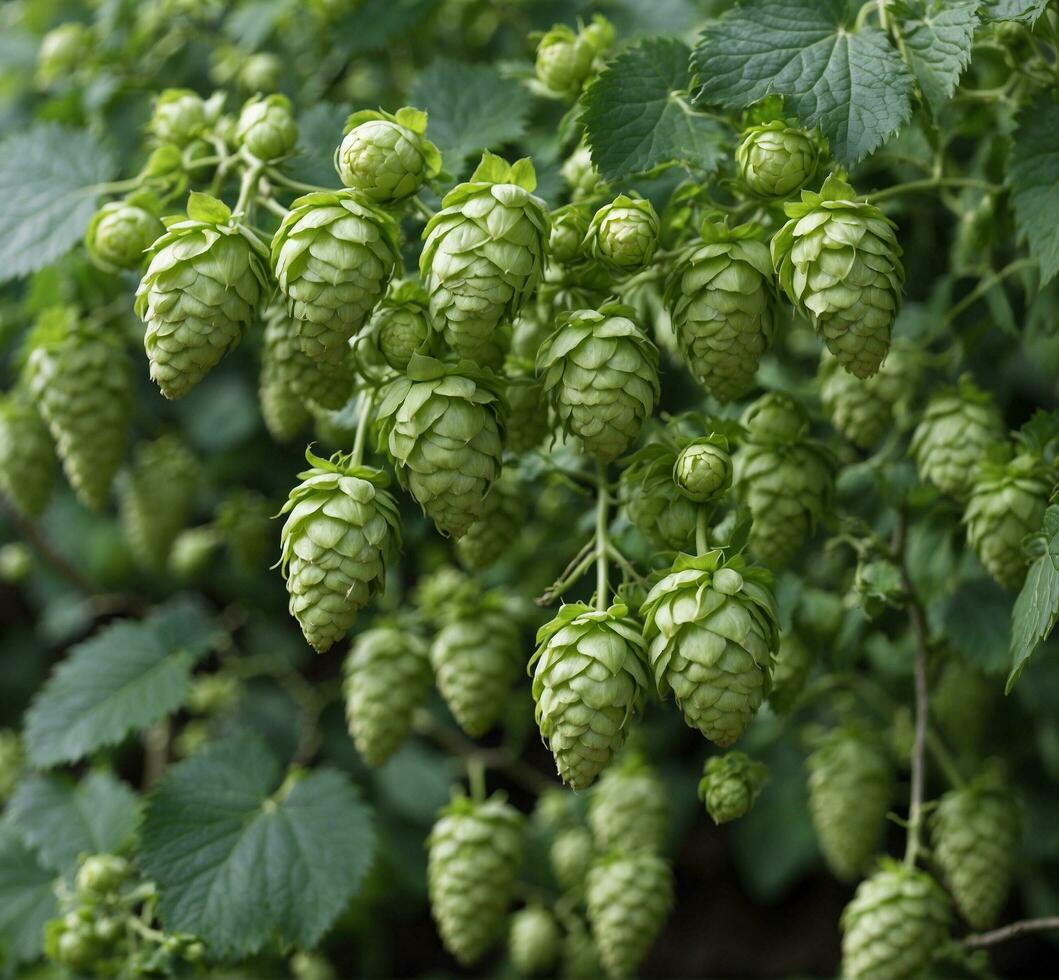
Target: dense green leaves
{"points": [[1022, 11], [1037, 607], [27, 899], [975, 622], [1034, 178], [938, 42]]}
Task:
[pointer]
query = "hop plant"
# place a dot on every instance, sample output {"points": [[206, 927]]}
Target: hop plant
{"points": [[503, 513], [712, 630], [442, 426], [581, 175], [776, 160], [730, 784], [527, 415], [646, 488], [121, 232], [571, 855], [475, 853], [179, 116], [629, 808], [849, 794], [387, 676], [27, 454], [961, 701], [244, 522], [600, 373], [569, 228], [895, 924], [628, 898], [840, 265], [623, 235], [341, 533], [61, 51], [534, 940], [789, 673], [589, 680], [863, 410], [386, 157], [400, 325], [199, 293], [484, 252], [81, 383], [703, 470], [266, 127], [721, 301], [580, 956], [564, 60]]}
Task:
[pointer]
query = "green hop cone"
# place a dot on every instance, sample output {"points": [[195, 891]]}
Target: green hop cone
{"points": [[503, 514], [27, 454], [840, 265], [564, 61], [721, 300], [484, 252], [533, 940], [121, 232], [600, 373], [580, 956], [958, 426], [244, 520], [569, 228], [962, 702], [850, 782], [16, 562], [650, 501], [193, 553], [712, 630], [629, 808], [62, 50], [333, 256], [863, 410], [730, 784], [101, 873], [385, 157], [571, 855], [600, 33], [400, 325], [199, 293], [581, 175], [342, 532], [527, 415], [261, 71], [776, 160], [789, 674], [895, 924], [974, 833], [81, 382], [623, 234], [442, 426], [179, 116], [266, 127], [703, 470], [589, 681], [628, 898], [475, 854], [387, 677]]}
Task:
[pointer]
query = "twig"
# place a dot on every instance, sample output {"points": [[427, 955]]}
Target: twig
{"points": [[982, 939], [602, 584]]}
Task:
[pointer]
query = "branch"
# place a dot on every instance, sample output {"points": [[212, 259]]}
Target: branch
{"points": [[983, 939]]}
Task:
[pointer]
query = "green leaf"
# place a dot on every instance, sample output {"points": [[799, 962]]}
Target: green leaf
{"points": [[852, 84], [49, 189], [976, 621], [1024, 11], [1037, 607], [374, 23], [470, 108], [938, 42], [637, 118], [125, 678], [319, 132], [61, 819], [239, 857], [1034, 179], [251, 24], [27, 898]]}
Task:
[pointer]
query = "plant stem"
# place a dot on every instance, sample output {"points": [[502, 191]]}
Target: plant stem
{"points": [[601, 539], [367, 405], [476, 777], [277, 177], [702, 530], [928, 184], [985, 285], [568, 578], [944, 759], [247, 187], [1011, 931]]}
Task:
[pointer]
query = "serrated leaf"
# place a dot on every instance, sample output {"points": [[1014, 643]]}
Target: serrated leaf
{"points": [[374, 23], [250, 24], [636, 117], [27, 898], [976, 621], [852, 84], [1037, 606], [1024, 11], [1034, 179], [319, 132], [938, 42], [238, 858], [49, 188], [61, 819]]}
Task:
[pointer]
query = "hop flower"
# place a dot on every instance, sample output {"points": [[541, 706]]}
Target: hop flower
{"points": [[849, 794], [571, 854], [775, 160], [703, 470], [81, 383], [580, 174], [27, 454], [179, 116], [623, 235], [840, 265], [387, 677], [646, 489], [628, 899], [863, 410], [569, 228], [789, 673], [385, 157], [961, 701], [564, 60], [484, 252], [527, 415], [897, 921], [120, 233], [266, 127], [11, 760], [62, 50], [400, 325], [601, 375], [442, 427], [341, 533], [475, 853], [488, 537], [721, 300], [580, 959], [199, 293], [244, 519], [533, 940], [712, 630], [629, 808], [730, 784]]}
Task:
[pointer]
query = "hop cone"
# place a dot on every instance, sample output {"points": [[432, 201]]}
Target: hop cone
{"points": [[703, 470], [534, 940], [333, 256], [341, 532], [564, 60], [328, 384], [958, 426], [601, 375], [244, 519], [789, 673], [961, 701], [775, 160], [266, 127], [82, 386], [839, 263], [898, 919], [648, 494], [400, 325], [730, 784], [623, 235], [569, 227], [589, 680], [27, 454], [442, 427], [863, 410], [628, 898], [712, 632], [849, 795], [629, 809], [199, 293], [1007, 501], [784, 477], [285, 412], [179, 116], [527, 416], [385, 157], [484, 253], [572, 853], [487, 538], [387, 677], [120, 233], [721, 301], [580, 954], [475, 853], [974, 832]]}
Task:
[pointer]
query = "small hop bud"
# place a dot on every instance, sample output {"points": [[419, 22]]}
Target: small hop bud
{"points": [[703, 470], [260, 72], [101, 873], [179, 116], [266, 127], [624, 234], [16, 560], [775, 160], [120, 233], [62, 49], [569, 227], [387, 157], [580, 174], [534, 940], [730, 784], [564, 60], [599, 33]]}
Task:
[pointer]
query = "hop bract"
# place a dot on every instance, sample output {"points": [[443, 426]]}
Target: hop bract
{"points": [[386, 157], [730, 784], [564, 60], [27, 454], [775, 160], [840, 265], [712, 630], [120, 233], [629, 808], [703, 470], [266, 127], [623, 235], [789, 673]]}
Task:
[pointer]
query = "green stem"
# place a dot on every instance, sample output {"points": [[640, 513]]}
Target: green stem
{"points": [[928, 184], [367, 405], [985, 285], [626, 565], [476, 777], [702, 530], [118, 186], [602, 586], [247, 187], [559, 587], [275, 207], [278, 177]]}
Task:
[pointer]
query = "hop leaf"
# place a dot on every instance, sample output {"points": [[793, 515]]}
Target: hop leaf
{"points": [[534, 940]]}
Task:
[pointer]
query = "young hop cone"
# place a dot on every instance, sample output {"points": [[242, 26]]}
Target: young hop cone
{"points": [[589, 681], [600, 373], [121, 232], [789, 673], [266, 127], [475, 854], [284, 411], [341, 533], [703, 469], [27, 454], [623, 235], [629, 809], [533, 940], [400, 325], [651, 502], [722, 303], [863, 411], [503, 513], [484, 252], [569, 227], [387, 157], [387, 677], [895, 924], [730, 784], [244, 520], [580, 959], [571, 855], [839, 263], [564, 60], [527, 415], [776, 160]]}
